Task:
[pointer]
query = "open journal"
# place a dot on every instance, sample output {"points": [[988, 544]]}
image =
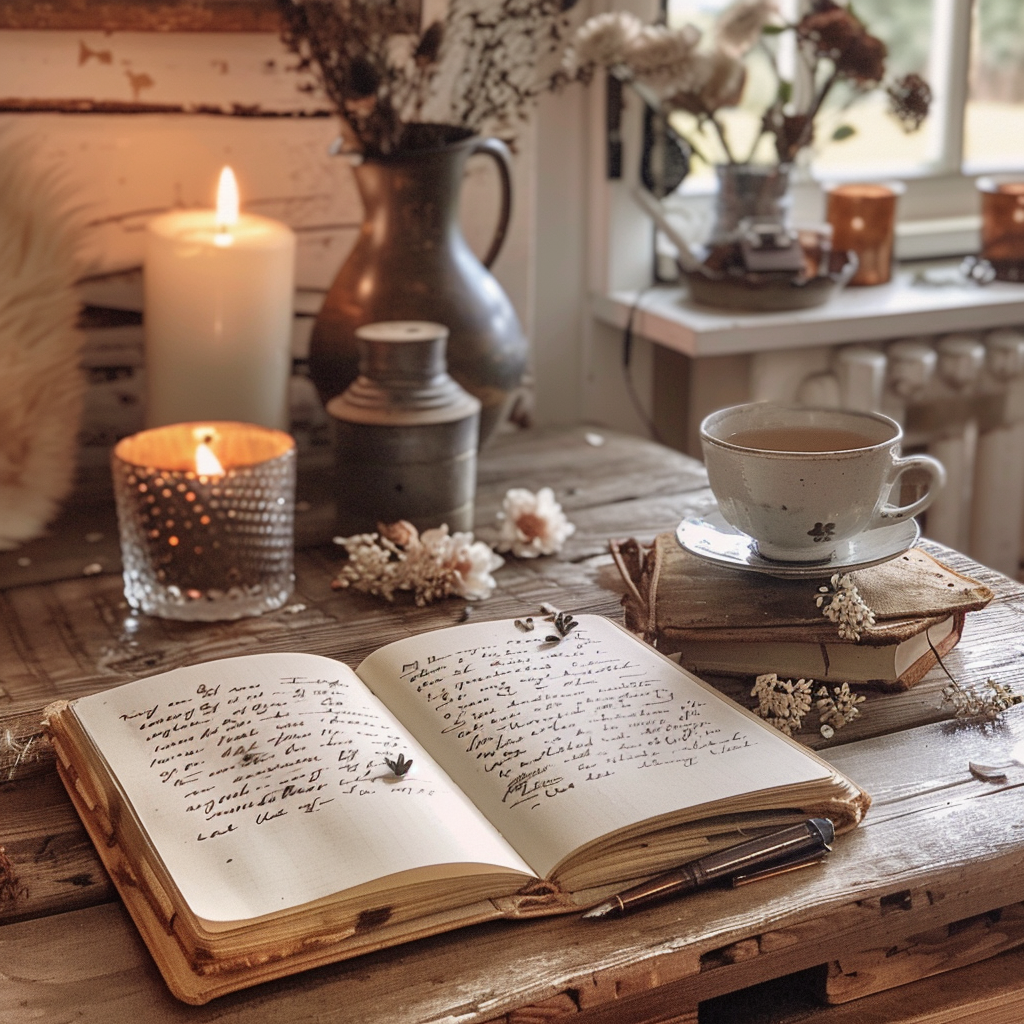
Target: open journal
{"points": [[248, 817]]}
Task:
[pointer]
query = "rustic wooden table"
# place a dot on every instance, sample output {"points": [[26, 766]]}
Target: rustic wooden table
{"points": [[931, 881]]}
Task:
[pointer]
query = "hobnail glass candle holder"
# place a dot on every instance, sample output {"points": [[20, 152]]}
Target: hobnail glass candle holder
{"points": [[200, 544]]}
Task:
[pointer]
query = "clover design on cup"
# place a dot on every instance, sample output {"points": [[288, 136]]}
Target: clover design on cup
{"points": [[822, 531]]}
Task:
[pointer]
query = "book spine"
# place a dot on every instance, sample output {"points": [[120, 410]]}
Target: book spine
{"points": [[913, 675]]}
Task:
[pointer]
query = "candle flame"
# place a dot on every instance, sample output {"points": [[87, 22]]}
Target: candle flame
{"points": [[227, 200], [207, 464]]}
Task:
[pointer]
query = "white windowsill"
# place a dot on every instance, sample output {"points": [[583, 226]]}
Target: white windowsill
{"points": [[907, 306]]}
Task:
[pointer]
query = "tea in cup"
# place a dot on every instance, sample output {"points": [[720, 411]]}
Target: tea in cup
{"points": [[802, 482]]}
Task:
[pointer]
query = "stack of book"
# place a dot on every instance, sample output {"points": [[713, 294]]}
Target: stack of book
{"points": [[727, 622]]}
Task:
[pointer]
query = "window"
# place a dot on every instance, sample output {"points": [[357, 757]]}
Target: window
{"points": [[972, 54], [994, 111]]}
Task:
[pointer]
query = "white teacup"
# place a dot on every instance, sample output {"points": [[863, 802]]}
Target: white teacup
{"points": [[801, 482]]}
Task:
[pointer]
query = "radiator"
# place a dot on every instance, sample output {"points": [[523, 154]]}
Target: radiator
{"points": [[959, 397]]}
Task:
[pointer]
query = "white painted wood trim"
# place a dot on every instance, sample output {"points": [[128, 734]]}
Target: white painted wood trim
{"points": [[903, 308]]}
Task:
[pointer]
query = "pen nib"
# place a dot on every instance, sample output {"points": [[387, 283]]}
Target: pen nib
{"points": [[601, 910]]}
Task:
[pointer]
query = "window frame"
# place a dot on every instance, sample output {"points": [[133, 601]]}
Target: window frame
{"points": [[939, 211]]}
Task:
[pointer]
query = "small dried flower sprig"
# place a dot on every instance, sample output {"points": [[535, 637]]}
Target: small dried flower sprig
{"points": [[432, 565], [840, 602], [782, 703], [838, 708], [400, 765], [564, 623], [973, 702], [532, 524], [525, 625]]}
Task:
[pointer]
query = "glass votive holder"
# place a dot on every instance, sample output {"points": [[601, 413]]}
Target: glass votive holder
{"points": [[863, 219], [206, 514], [1002, 225]]}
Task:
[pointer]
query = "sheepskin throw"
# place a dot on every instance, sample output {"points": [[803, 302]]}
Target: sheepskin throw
{"points": [[41, 384]]}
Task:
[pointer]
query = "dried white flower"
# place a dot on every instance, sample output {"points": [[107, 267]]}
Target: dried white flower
{"points": [[532, 524], [713, 80], [840, 602], [970, 702], [782, 703], [432, 565], [739, 26], [602, 40], [663, 58], [838, 708]]}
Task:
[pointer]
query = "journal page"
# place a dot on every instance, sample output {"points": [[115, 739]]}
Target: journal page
{"points": [[560, 741], [262, 784]]}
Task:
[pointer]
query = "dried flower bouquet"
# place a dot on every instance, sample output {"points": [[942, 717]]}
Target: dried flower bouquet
{"points": [[398, 87], [674, 71]]}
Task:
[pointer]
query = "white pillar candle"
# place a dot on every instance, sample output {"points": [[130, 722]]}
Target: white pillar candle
{"points": [[219, 295]]}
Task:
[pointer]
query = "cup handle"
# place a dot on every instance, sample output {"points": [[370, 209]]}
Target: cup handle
{"points": [[936, 481]]}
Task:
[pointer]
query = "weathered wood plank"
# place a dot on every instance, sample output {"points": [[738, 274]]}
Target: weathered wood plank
{"points": [[988, 992], [77, 635], [856, 975], [244, 74], [899, 874], [55, 866], [663, 957], [153, 15], [938, 846], [142, 15], [124, 169]]}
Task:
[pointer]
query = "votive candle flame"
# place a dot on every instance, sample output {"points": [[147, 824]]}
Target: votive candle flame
{"points": [[206, 517], [207, 464]]}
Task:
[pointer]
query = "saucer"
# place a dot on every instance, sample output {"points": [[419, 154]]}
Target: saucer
{"points": [[711, 537]]}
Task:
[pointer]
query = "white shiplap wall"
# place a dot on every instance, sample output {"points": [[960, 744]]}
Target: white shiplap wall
{"points": [[137, 123], [124, 167]]}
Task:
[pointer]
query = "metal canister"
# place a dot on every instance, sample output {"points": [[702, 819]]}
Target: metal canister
{"points": [[406, 433]]}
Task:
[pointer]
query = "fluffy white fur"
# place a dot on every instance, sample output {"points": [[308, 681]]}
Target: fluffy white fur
{"points": [[41, 385]]}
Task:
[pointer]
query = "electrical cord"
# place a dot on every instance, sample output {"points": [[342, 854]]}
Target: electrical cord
{"points": [[627, 355]]}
